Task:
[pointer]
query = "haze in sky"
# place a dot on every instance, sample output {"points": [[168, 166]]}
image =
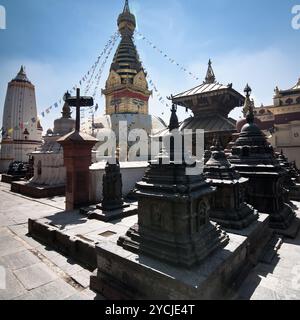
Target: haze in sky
{"points": [[59, 40]]}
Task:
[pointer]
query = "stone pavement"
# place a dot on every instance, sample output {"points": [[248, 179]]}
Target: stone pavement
{"points": [[277, 280], [34, 271], [31, 270]]}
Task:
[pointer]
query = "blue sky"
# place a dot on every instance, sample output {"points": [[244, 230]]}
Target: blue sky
{"points": [[59, 40]]}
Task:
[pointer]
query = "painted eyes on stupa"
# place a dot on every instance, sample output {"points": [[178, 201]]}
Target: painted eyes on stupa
{"points": [[138, 102]]}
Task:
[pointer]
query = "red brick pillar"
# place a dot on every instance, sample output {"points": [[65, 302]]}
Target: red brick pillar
{"points": [[77, 159]]}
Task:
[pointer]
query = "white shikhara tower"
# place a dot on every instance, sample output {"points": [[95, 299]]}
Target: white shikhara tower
{"points": [[21, 130]]}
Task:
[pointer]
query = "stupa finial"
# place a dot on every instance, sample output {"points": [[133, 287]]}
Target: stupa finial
{"points": [[248, 105], [248, 109], [210, 75], [216, 146], [126, 7], [126, 21], [248, 90], [21, 76], [174, 123], [22, 70]]}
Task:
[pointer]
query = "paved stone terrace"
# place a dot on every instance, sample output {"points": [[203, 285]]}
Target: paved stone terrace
{"points": [[34, 271]]}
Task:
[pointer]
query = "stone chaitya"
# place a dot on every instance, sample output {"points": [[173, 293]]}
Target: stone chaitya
{"points": [[254, 158], [112, 187], [291, 178], [112, 206], [228, 206], [173, 214]]}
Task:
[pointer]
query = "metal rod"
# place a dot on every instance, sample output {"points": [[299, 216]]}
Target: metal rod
{"points": [[78, 109]]}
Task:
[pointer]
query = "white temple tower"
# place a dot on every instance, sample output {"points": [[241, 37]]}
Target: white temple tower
{"points": [[21, 129]]}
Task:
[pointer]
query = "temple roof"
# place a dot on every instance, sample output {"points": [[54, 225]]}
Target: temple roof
{"points": [[297, 86], [293, 90], [201, 89], [214, 123], [21, 76], [210, 124], [209, 87]]}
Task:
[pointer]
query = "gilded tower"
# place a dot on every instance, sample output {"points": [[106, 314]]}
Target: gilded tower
{"points": [[126, 89]]}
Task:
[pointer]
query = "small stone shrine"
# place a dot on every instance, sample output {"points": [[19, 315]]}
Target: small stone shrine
{"points": [[228, 207], [166, 194], [112, 187], [290, 181], [16, 171], [112, 206], [254, 158]]}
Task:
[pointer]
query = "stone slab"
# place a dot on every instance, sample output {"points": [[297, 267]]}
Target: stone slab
{"points": [[74, 235], [107, 216], [124, 275], [13, 287], [19, 260], [35, 276], [37, 192], [55, 290], [9, 245]]}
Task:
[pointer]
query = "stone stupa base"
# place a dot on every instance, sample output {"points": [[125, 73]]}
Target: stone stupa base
{"points": [[120, 212], [37, 191], [7, 178], [294, 193], [123, 275], [285, 222], [235, 219], [182, 253]]}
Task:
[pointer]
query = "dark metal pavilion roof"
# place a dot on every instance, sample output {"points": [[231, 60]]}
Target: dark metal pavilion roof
{"points": [[209, 124], [195, 98]]}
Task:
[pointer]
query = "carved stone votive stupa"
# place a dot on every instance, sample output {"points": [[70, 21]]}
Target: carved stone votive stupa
{"points": [[228, 207], [173, 213]]}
